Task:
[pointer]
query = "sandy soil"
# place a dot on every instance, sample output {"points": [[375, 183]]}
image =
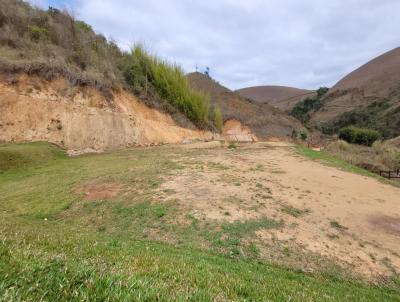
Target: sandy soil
{"points": [[81, 120], [352, 219]]}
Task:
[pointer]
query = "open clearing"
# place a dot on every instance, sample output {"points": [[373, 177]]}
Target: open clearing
{"points": [[198, 222]]}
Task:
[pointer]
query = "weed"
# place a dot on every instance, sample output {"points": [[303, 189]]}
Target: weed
{"points": [[232, 145], [337, 225], [290, 210]]}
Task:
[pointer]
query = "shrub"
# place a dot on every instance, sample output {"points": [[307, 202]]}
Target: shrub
{"points": [[38, 33], [322, 91], [232, 145], [302, 110], [303, 135], [359, 136]]}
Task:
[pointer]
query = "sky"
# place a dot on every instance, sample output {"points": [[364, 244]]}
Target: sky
{"points": [[298, 43]]}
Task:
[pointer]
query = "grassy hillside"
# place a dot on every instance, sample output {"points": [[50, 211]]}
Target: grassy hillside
{"points": [[263, 119], [53, 44], [55, 244], [369, 97]]}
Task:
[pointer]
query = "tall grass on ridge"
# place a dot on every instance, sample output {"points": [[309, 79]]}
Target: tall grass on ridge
{"points": [[143, 70]]}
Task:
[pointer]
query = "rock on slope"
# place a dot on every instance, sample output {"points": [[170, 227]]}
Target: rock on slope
{"points": [[369, 96], [81, 119], [263, 120], [280, 97]]}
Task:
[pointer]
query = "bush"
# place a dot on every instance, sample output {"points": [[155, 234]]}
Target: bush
{"points": [[38, 33], [303, 135], [359, 136], [322, 91], [232, 145], [302, 110]]}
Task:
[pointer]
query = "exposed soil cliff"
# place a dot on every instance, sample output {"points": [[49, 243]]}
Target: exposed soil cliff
{"points": [[81, 119]]}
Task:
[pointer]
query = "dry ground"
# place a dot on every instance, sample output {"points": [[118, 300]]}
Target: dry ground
{"points": [[351, 219]]}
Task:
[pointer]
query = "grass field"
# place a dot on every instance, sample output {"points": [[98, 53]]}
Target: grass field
{"points": [[57, 245]]}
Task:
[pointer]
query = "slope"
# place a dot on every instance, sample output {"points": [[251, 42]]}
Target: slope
{"points": [[280, 97], [52, 44], [263, 119], [82, 119], [367, 97]]}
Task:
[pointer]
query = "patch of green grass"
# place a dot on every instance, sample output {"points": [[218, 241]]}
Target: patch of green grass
{"points": [[242, 228], [179, 275], [23, 156], [232, 145]]}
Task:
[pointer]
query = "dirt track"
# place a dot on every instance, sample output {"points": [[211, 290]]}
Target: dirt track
{"points": [[352, 219]]}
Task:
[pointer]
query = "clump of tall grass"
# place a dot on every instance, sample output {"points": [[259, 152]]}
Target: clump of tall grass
{"points": [[381, 156], [143, 71]]}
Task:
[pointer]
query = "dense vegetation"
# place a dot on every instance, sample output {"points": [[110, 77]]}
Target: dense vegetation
{"points": [[378, 116], [52, 43], [56, 246], [360, 136], [302, 110], [142, 70]]}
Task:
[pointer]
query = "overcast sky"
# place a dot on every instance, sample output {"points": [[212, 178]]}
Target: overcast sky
{"points": [[299, 43]]}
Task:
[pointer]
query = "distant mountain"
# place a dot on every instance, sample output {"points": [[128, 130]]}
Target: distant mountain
{"points": [[280, 97], [263, 119], [367, 97]]}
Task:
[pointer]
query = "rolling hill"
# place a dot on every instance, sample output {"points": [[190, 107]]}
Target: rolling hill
{"points": [[368, 97], [264, 120], [280, 97]]}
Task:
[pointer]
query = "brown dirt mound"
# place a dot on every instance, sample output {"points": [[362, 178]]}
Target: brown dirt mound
{"points": [[280, 97]]}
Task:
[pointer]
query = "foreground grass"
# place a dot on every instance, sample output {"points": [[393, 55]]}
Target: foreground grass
{"points": [[55, 247]]}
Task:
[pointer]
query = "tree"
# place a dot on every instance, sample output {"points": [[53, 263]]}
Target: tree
{"points": [[207, 71]]}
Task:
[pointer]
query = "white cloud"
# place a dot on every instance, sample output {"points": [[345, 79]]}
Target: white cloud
{"points": [[306, 43]]}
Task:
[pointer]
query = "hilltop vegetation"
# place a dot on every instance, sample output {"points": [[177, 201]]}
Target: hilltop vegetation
{"points": [[53, 44]]}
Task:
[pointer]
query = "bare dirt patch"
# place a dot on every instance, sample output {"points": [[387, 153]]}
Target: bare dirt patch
{"points": [[325, 211], [388, 224], [99, 191]]}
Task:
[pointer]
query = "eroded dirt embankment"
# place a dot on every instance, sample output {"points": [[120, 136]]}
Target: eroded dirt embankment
{"points": [[81, 119]]}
